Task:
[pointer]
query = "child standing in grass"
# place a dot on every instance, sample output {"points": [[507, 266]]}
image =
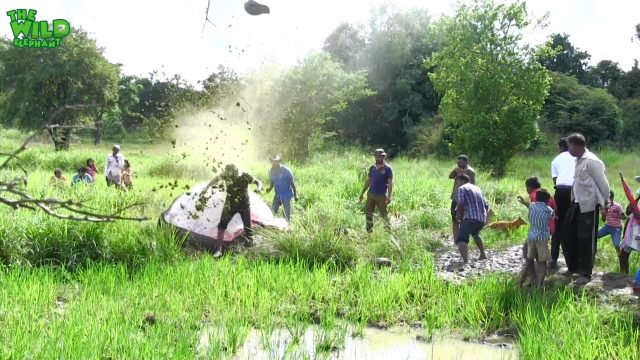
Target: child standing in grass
{"points": [[613, 223], [538, 238], [91, 169], [126, 179]]}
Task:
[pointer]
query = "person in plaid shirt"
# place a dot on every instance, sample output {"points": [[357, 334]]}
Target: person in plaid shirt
{"points": [[471, 213]]}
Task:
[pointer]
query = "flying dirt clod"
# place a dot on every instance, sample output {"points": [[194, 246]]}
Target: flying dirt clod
{"points": [[254, 8]]}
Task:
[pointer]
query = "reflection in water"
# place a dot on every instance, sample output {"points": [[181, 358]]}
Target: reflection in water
{"points": [[316, 343]]}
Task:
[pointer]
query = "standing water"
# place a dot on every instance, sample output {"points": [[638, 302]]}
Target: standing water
{"points": [[375, 344]]}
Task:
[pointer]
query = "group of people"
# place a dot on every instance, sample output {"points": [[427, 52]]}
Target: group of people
{"points": [[117, 172], [566, 220], [236, 184], [569, 219]]}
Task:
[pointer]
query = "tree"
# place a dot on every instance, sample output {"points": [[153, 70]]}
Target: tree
{"points": [[630, 82], [396, 45], [630, 121], [41, 82], [572, 106], [492, 86], [346, 44], [567, 59], [312, 93], [220, 85], [606, 73]]}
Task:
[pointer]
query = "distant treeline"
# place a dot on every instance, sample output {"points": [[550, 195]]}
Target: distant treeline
{"points": [[372, 85]]}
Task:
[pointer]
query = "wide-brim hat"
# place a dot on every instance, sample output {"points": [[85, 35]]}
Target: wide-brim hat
{"points": [[379, 152], [276, 158]]}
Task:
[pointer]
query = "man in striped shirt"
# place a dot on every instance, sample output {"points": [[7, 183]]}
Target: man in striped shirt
{"points": [[471, 213]]}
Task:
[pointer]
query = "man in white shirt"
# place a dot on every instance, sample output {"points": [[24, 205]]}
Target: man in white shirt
{"points": [[114, 166], [563, 168], [590, 193]]}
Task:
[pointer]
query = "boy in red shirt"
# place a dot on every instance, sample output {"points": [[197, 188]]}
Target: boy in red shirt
{"points": [[613, 217]]}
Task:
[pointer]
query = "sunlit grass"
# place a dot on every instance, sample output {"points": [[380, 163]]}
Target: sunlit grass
{"points": [[82, 290]]}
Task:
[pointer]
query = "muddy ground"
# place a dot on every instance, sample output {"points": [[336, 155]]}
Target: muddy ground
{"points": [[611, 289]]}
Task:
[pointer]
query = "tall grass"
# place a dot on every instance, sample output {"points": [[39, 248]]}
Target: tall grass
{"points": [[83, 290], [104, 310]]}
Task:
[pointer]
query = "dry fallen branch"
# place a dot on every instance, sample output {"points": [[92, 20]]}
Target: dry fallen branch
{"points": [[13, 194]]}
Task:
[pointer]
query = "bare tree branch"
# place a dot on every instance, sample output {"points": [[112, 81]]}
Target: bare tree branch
{"points": [[13, 195], [206, 19]]}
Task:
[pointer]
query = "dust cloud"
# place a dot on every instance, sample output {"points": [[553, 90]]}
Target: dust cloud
{"points": [[239, 129]]}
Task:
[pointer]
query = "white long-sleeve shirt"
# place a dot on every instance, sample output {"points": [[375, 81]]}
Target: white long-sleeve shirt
{"points": [[114, 165], [590, 187]]}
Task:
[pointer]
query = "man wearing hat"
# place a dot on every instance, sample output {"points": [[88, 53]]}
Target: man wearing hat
{"points": [[380, 184], [113, 167], [281, 178]]}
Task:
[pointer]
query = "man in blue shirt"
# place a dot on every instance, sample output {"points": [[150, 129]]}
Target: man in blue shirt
{"points": [[380, 184], [281, 178]]}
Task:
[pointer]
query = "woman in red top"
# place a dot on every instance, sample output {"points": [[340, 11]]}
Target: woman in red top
{"points": [[91, 169]]}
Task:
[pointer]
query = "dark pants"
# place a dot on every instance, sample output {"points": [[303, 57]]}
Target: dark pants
{"points": [[562, 197], [376, 201], [580, 239], [245, 214]]}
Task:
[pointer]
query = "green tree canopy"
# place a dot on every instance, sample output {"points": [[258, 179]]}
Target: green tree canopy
{"points": [[391, 50], [567, 59], [312, 93], [493, 86], [39, 82], [572, 106]]}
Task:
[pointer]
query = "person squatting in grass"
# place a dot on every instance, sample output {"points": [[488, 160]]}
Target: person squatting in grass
{"points": [[281, 178], [82, 176], [380, 184], [590, 193], [58, 179], [540, 214], [236, 185], [563, 168], [462, 167], [471, 212]]}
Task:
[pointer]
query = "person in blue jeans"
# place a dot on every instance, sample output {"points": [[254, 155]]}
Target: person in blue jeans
{"points": [[613, 217], [281, 178]]}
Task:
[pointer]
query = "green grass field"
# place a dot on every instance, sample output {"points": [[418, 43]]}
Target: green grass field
{"points": [[127, 290]]}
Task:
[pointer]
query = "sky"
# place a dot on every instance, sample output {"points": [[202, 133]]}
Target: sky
{"points": [[168, 36]]}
